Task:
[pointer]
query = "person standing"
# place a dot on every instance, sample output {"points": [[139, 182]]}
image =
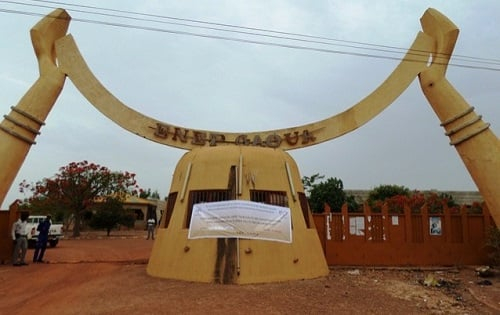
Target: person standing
{"points": [[43, 237], [20, 240], [151, 228]]}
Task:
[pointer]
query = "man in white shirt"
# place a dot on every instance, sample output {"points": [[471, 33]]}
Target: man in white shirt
{"points": [[151, 228], [19, 235]]}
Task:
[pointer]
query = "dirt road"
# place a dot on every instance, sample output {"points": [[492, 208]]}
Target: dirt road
{"points": [[97, 275]]}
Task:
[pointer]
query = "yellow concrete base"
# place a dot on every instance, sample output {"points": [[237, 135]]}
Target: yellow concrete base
{"points": [[174, 256]]}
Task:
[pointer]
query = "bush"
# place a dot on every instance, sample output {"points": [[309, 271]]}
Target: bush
{"points": [[109, 214], [475, 208], [353, 205], [383, 192], [396, 203], [330, 192], [435, 204], [493, 244], [416, 201]]}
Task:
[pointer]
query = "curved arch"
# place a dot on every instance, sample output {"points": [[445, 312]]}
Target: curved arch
{"points": [[476, 144], [73, 64]]}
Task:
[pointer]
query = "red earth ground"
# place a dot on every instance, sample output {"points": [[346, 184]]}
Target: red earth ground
{"points": [[99, 275]]}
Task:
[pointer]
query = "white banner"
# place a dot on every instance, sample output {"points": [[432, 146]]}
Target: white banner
{"points": [[240, 219]]}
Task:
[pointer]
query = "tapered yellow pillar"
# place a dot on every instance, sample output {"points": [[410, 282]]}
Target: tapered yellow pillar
{"points": [[20, 127], [476, 144]]}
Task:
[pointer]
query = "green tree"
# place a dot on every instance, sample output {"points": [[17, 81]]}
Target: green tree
{"points": [[394, 195], [309, 182], [109, 214], [77, 187], [145, 194], [448, 198], [383, 192], [352, 204], [331, 192]]}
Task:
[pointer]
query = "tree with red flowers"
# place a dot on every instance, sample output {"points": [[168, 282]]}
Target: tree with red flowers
{"points": [[77, 187]]}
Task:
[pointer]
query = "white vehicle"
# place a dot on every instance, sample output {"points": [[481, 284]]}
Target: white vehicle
{"points": [[55, 232]]}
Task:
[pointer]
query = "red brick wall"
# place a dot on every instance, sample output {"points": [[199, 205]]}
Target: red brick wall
{"points": [[405, 239], [7, 218]]}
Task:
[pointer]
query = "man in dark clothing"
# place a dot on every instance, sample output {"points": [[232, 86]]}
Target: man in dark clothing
{"points": [[43, 237]]}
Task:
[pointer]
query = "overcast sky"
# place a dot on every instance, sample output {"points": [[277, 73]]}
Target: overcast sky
{"points": [[206, 83]]}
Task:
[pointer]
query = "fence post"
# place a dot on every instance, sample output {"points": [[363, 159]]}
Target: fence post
{"points": [[446, 226], [465, 224], [385, 223], [425, 224], [368, 223], [408, 225], [345, 223]]}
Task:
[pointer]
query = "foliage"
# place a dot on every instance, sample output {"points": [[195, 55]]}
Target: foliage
{"points": [[435, 204], [448, 199], [76, 188], [493, 243], [383, 192], [353, 205], [476, 208], [416, 201], [147, 194], [450, 202], [376, 206], [309, 182], [397, 196], [39, 207], [331, 192], [396, 203], [394, 196], [109, 214]]}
